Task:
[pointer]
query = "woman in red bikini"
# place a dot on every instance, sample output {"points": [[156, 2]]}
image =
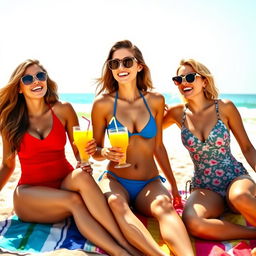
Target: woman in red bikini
{"points": [[33, 125]]}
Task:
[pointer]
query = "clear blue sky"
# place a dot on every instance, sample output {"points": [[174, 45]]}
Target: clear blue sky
{"points": [[72, 38]]}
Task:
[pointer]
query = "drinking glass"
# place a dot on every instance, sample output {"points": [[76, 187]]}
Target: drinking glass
{"points": [[81, 138], [119, 138]]}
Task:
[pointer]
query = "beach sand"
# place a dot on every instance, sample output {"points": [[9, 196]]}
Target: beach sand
{"points": [[178, 155]]}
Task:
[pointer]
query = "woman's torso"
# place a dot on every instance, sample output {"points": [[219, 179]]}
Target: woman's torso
{"points": [[43, 161], [214, 165], [139, 118]]}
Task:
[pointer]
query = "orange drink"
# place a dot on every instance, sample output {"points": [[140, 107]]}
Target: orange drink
{"points": [[81, 138], [119, 138]]}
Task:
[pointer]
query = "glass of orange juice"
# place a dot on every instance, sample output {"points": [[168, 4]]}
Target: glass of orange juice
{"points": [[119, 138], [81, 138]]}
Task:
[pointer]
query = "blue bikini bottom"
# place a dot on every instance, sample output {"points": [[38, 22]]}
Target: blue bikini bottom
{"points": [[133, 187]]}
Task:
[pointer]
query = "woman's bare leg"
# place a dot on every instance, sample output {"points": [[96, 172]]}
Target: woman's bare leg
{"points": [[241, 196], [201, 213], [84, 184], [154, 200], [48, 205], [132, 228]]}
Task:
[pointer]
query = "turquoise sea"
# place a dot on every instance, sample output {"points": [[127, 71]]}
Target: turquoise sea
{"points": [[240, 100]]}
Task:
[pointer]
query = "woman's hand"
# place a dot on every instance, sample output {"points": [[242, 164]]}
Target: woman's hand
{"points": [[91, 147], [86, 168], [177, 201], [114, 154]]}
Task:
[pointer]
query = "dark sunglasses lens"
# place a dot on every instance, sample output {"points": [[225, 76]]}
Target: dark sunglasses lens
{"points": [[28, 79], [113, 64], [177, 80], [128, 62], [41, 76], [190, 78]]}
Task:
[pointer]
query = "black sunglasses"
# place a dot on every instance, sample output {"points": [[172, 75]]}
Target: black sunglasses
{"points": [[127, 62], [29, 79], [189, 78]]}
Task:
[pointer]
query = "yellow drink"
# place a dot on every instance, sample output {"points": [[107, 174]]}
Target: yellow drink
{"points": [[119, 138], [81, 138]]}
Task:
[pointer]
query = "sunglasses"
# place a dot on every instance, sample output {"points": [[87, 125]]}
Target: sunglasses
{"points": [[127, 62], [29, 79], [189, 78]]}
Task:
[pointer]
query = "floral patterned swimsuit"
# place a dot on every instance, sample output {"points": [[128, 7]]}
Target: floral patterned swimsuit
{"points": [[214, 165]]}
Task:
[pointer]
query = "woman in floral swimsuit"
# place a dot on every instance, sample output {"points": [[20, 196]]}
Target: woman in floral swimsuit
{"points": [[219, 179]]}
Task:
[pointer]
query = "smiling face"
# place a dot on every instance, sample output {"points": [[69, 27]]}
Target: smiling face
{"points": [[189, 90], [37, 89], [122, 74]]}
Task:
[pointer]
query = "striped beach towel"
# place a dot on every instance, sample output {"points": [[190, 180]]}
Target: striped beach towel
{"points": [[26, 238]]}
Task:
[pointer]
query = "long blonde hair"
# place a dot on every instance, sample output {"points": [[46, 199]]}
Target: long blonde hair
{"points": [[210, 91], [14, 120], [108, 84]]}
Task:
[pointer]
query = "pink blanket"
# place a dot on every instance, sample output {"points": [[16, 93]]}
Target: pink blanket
{"points": [[208, 248]]}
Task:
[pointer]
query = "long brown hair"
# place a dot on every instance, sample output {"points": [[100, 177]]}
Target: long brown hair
{"points": [[107, 82], [14, 120], [210, 91]]}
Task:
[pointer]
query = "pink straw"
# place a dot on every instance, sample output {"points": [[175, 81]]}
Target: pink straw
{"points": [[87, 121]]}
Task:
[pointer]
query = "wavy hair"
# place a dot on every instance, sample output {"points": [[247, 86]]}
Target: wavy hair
{"points": [[14, 120], [211, 91], [107, 83]]}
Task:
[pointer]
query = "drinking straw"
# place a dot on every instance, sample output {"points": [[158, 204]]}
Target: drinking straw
{"points": [[114, 119], [89, 122]]}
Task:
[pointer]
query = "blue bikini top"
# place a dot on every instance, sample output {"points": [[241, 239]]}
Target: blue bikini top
{"points": [[148, 132]]}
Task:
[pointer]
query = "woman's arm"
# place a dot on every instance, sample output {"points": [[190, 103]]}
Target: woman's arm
{"points": [[99, 124], [8, 164], [235, 123], [173, 115], [160, 151], [102, 112], [67, 115]]}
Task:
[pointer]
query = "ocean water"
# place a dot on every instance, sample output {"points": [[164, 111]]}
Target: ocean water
{"points": [[240, 100]]}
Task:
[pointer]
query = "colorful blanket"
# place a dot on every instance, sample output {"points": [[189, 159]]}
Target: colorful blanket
{"points": [[27, 238]]}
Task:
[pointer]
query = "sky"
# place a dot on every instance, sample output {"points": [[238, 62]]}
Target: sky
{"points": [[72, 38]]}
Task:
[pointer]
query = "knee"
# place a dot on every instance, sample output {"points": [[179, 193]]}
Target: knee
{"points": [[118, 204], [82, 178], [240, 199], [161, 205], [73, 200]]}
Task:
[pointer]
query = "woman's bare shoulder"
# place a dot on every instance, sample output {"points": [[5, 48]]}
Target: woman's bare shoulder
{"points": [[173, 115], [226, 106], [103, 102], [62, 107], [104, 99], [155, 97], [175, 110]]}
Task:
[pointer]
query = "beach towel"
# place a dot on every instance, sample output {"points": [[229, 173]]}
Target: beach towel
{"points": [[27, 238]]}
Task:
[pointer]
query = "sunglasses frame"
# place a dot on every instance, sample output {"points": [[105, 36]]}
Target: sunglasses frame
{"points": [[34, 77], [184, 78], [121, 61]]}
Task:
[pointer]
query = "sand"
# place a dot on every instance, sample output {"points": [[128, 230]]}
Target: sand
{"points": [[178, 155]]}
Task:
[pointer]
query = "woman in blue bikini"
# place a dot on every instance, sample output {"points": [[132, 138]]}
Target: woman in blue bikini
{"points": [[219, 180], [126, 83]]}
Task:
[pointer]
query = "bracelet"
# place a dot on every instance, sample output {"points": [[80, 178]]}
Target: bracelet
{"points": [[103, 151]]}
